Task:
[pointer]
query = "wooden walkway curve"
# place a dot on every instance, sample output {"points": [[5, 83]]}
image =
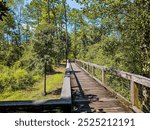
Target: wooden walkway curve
{"points": [[89, 96]]}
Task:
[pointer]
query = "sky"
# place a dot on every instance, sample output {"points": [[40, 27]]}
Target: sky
{"points": [[73, 4]]}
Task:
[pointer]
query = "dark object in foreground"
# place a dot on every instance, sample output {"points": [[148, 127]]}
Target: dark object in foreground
{"points": [[41, 106]]}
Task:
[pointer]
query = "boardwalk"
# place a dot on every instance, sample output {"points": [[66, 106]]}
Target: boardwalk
{"points": [[90, 96], [82, 93]]}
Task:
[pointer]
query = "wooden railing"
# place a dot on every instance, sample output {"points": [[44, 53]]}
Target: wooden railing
{"points": [[59, 105], [66, 88], [133, 78]]}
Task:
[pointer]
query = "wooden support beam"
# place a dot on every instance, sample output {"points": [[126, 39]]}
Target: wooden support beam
{"points": [[93, 70], [83, 66], [134, 94], [87, 67], [103, 76]]}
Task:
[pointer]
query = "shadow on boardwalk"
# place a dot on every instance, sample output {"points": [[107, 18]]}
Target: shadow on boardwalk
{"points": [[80, 100], [89, 96]]}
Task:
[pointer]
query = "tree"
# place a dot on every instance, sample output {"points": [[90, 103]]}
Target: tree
{"points": [[66, 28], [3, 10], [43, 46], [128, 21]]}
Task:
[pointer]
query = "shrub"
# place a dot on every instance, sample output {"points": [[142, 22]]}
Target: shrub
{"points": [[15, 79], [21, 79], [24, 71], [4, 77]]}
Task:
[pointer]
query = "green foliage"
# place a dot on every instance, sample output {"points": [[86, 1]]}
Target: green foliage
{"points": [[44, 46], [54, 84], [113, 33], [128, 22], [48, 47], [21, 79], [9, 54], [19, 69], [103, 53], [21, 65], [119, 85], [123, 31], [29, 60], [3, 75], [22, 61], [15, 79]]}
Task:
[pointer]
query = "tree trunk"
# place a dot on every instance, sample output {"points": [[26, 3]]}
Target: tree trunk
{"points": [[45, 65], [48, 10], [64, 3]]}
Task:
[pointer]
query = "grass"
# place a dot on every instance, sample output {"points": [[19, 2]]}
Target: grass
{"points": [[54, 84]]}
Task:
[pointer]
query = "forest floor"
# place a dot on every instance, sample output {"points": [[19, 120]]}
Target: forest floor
{"points": [[54, 84]]}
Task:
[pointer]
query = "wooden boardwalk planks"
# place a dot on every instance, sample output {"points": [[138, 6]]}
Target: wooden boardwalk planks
{"points": [[89, 96]]}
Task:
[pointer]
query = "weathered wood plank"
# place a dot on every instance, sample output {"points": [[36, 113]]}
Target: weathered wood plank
{"points": [[66, 88], [32, 103], [103, 76], [132, 92]]}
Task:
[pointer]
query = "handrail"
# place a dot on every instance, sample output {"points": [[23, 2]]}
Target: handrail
{"points": [[133, 78], [129, 76], [66, 88]]}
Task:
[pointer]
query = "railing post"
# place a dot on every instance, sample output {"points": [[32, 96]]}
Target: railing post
{"points": [[103, 76], [93, 70], [87, 67], [134, 94]]}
